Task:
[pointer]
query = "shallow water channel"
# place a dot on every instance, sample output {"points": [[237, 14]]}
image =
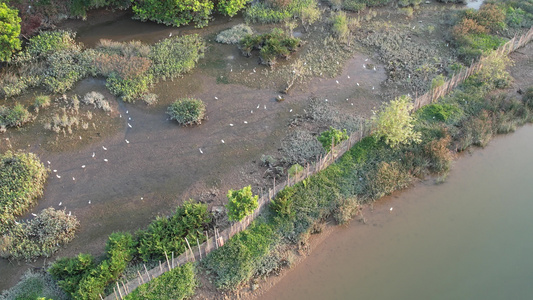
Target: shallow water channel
{"points": [[469, 238]]}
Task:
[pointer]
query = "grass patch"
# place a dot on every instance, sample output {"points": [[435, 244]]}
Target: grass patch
{"points": [[177, 284], [187, 111]]}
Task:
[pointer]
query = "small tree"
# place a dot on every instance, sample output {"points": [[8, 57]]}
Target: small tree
{"points": [[9, 32], [332, 135], [394, 123], [241, 203]]}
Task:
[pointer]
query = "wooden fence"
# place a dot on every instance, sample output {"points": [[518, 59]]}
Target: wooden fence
{"points": [[197, 251]]}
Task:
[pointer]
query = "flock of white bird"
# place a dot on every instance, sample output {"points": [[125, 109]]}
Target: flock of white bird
{"points": [[200, 149]]}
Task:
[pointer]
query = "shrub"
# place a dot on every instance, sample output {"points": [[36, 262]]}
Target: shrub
{"points": [[22, 178], [68, 272], [339, 25], [149, 98], [167, 234], [42, 236], [345, 210], [239, 259], [528, 98], [14, 117], [42, 101], [395, 124], [177, 55], [309, 15], [353, 5], [283, 204], [96, 99], [63, 71], [177, 284], [129, 89], [386, 178], [234, 35], [439, 154], [9, 36], [48, 42], [187, 111], [241, 203], [34, 285], [332, 135], [271, 46]]}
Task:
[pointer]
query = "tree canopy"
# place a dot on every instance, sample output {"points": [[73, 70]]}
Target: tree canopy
{"points": [[9, 32], [395, 124]]}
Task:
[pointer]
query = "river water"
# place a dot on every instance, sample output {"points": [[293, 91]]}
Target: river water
{"points": [[469, 238]]}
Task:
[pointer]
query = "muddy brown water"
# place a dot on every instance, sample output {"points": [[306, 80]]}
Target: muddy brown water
{"points": [[469, 238], [162, 165]]}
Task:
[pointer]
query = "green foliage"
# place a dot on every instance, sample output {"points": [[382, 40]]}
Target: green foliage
{"points": [[167, 234], [283, 204], [34, 285], [353, 5], [48, 42], [439, 112], [83, 279], [41, 101], [295, 169], [22, 178], [177, 55], [438, 81], [70, 271], [271, 46], [345, 210], [187, 111], [177, 284], [310, 15], [394, 123], [42, 236], [405, 3], [9, 32], [234, 35], [339, 24], [239, 259], [241, 203], [474, 45], [174, 12], [332, 135], [231, 7], [63, 71], [79, 8], [129, 89], [14, 117], [262, 12]]}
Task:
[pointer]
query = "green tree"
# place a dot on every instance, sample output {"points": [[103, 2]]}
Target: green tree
{"points": [[231, 7], [9, 32], [174, 12], [394, 123], [241, 203]]}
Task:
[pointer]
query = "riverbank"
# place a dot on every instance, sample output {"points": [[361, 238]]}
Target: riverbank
{"points": [[462, 238]]}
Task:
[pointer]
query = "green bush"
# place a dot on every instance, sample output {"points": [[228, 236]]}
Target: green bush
{"points": [[10, 31], [394, 122], [332, 135], [129, 89], [34, 285], [241, 203], [240, 257], [68, 272], [22, 178], [48, 42], [353, 5], [271, 46], [167, 234], [177, 284], [339, 24], [42, 101], [42, 236], [14, 117], [175, 56], [63, 71], [283, 204], [187, 111], [231, 7]]}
